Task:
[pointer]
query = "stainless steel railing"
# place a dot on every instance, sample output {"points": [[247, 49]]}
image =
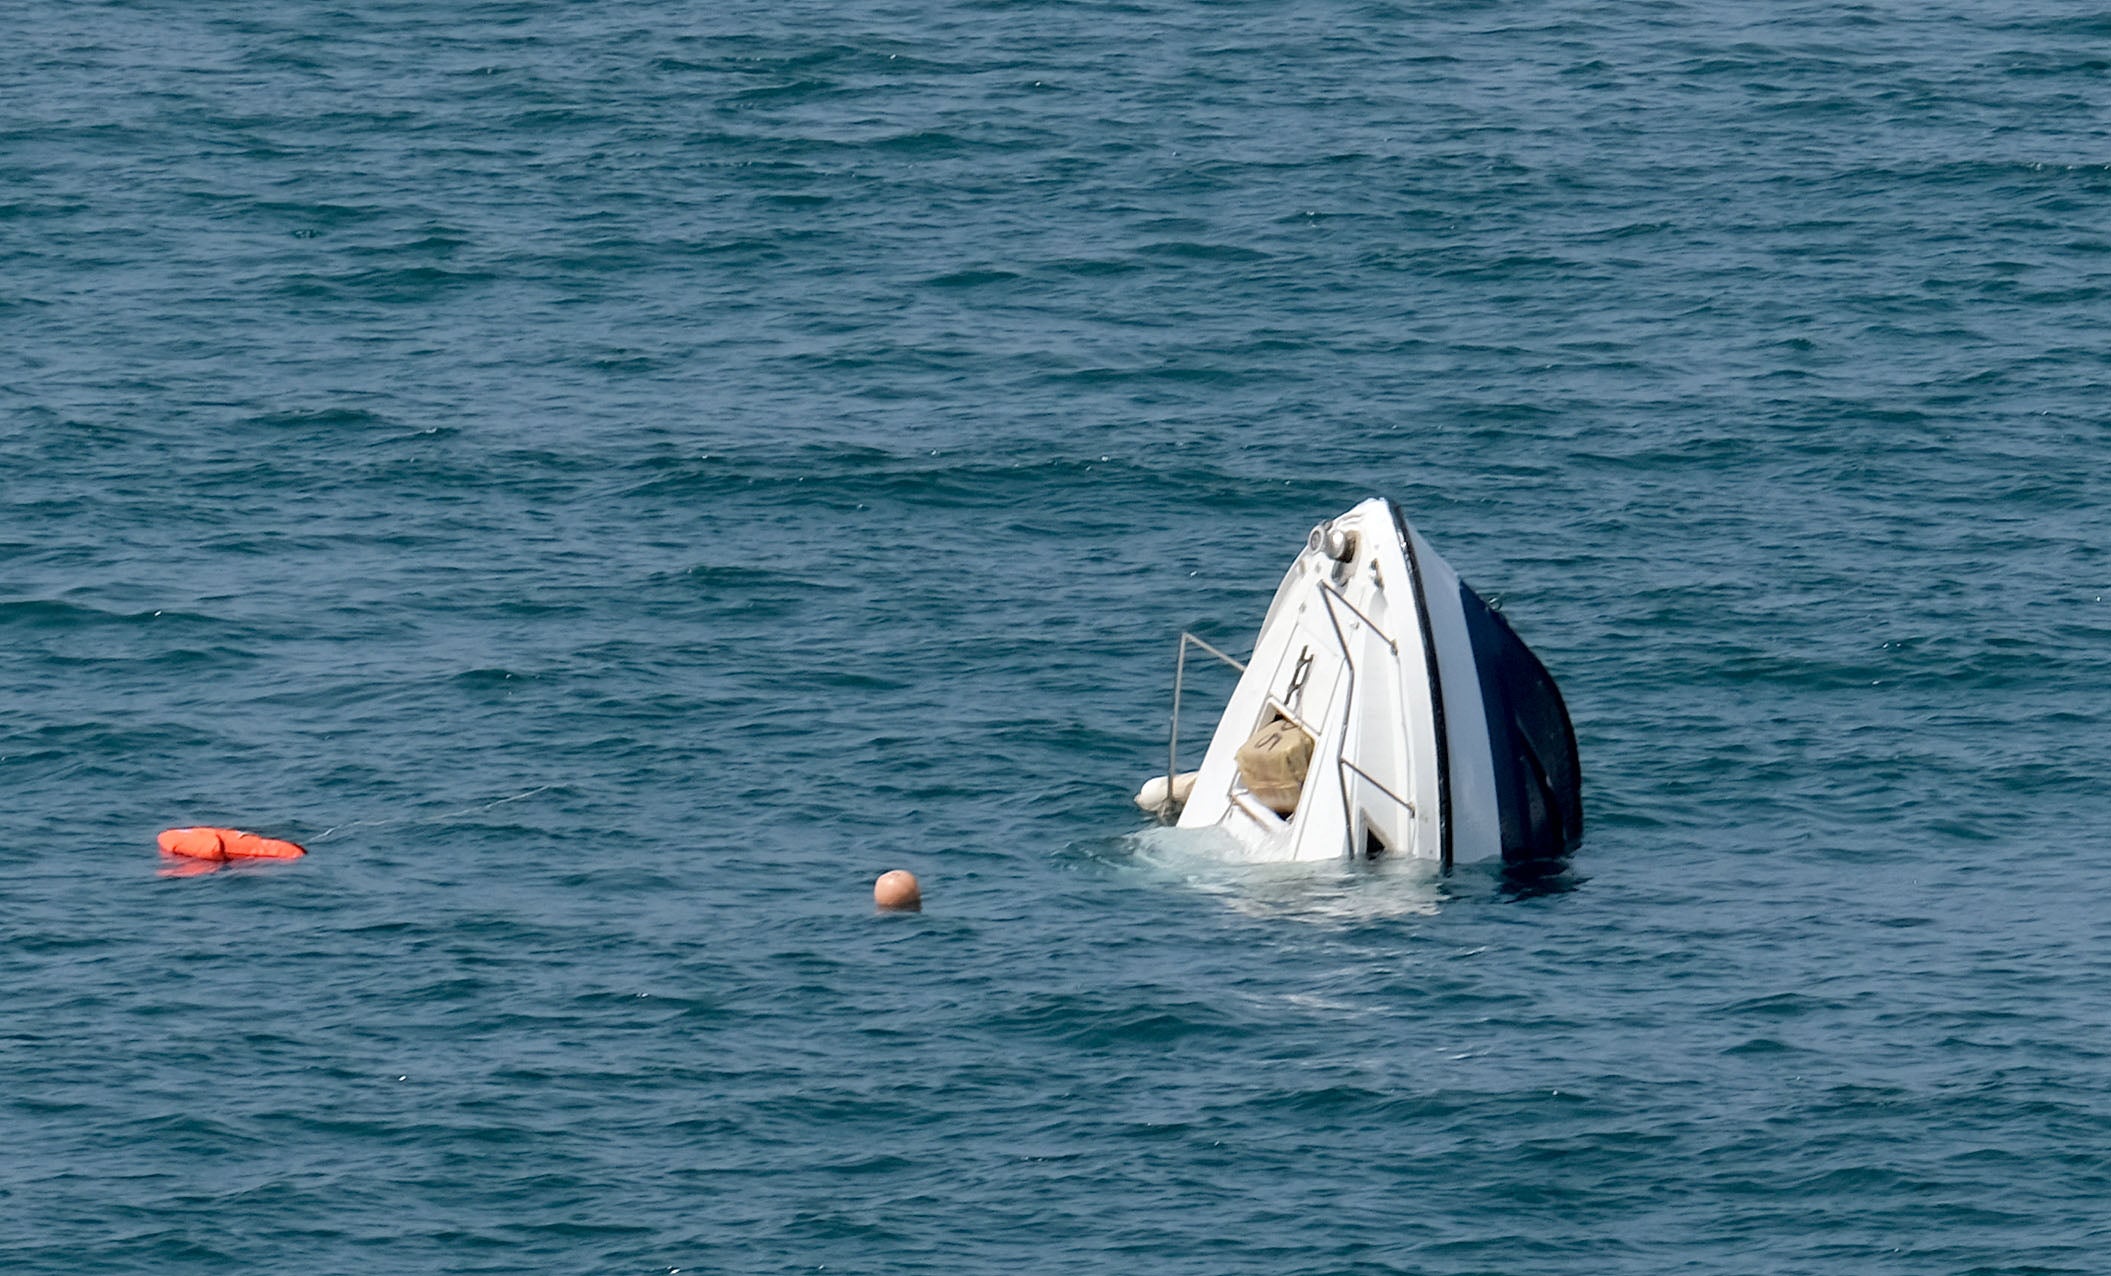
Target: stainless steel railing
{"points": [[1172, 749]]}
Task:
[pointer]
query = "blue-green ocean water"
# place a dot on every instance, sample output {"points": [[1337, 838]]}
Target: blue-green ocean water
{"points": [[775, 443]]}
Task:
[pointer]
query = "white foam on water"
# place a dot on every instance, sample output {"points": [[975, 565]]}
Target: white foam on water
{"points": [[1329, 892]]}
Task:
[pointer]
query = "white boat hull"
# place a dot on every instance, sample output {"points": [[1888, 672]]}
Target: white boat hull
{"points": [[1435, 733]]}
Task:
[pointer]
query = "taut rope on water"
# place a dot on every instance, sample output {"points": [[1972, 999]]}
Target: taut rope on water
{"points": [[335, 829]]}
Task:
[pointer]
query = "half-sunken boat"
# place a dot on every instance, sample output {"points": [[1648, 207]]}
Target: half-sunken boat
{"points": [[1386, 711]]}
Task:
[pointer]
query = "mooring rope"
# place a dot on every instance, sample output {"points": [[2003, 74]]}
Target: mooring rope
{"points": [[335, 829]]}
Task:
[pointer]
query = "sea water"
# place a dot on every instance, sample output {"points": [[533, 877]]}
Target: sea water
{"points": [[615, 478]]}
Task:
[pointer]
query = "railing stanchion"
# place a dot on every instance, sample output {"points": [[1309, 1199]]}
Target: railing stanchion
{"points": [[1172, 747]]}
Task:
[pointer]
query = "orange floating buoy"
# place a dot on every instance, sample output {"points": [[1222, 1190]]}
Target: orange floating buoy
{"points": [[898, 892], [194, 844], [207, 843], [248, 846]]}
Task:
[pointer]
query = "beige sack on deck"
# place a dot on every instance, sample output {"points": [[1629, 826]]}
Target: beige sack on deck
{"points": [[1273, 763]]}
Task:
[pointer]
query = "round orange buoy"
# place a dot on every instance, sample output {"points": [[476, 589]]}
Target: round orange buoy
{"points": [[898, 890], [207, 843]]}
